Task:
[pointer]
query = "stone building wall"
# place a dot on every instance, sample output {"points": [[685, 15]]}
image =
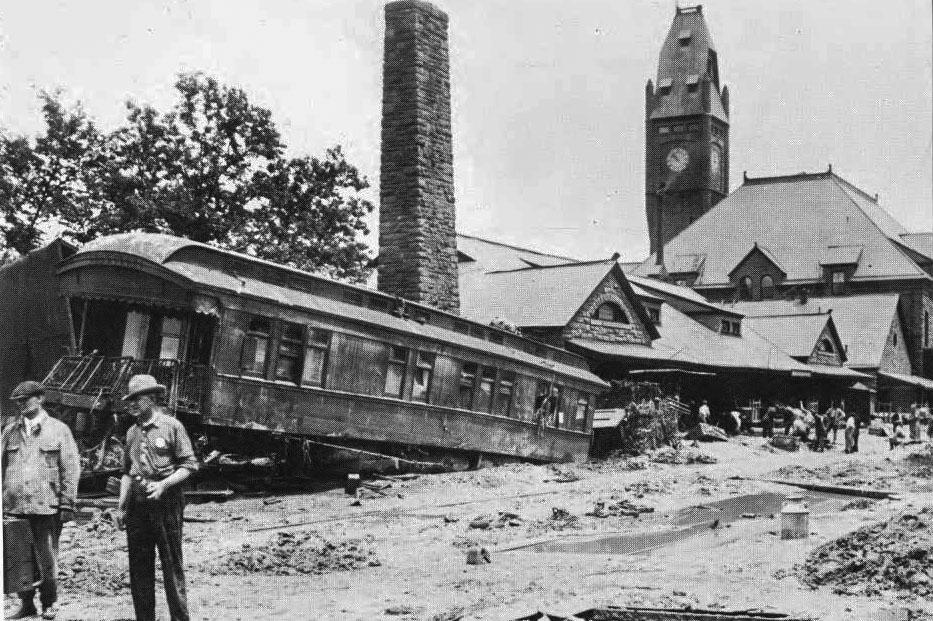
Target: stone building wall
{"points": [[417, 238]]}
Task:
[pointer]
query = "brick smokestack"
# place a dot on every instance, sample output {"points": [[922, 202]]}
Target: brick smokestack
{"points": [[417, 234]]}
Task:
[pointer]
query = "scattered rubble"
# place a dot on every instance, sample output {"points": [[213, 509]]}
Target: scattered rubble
{"points": [[707, 433], [893, 555], [621, 508], [97, 574], [669, 455], [297, 553], [859, 503], [500, 520]]}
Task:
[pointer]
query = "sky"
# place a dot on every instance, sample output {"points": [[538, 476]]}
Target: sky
{"points": [[548, 96]]}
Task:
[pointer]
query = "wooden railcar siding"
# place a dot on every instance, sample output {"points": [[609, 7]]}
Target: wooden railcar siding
{"points": [[253, 404], [357, 365]]}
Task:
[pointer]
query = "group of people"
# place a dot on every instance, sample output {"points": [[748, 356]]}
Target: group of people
{"points": [[812, 427], [912, 422], [41, 467]]}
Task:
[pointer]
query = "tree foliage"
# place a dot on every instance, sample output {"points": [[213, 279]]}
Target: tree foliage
{"points": [[212, 169]]}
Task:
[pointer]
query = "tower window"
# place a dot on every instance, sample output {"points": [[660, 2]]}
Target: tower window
{"points": [[684, 37], [693, 80], [664, 130], [767, 287]]}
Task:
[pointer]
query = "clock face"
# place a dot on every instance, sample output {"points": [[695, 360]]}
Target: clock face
{"points": [[677, 159]]}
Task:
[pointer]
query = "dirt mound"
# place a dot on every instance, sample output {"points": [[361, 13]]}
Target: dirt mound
{"points": [[893, 555], [95, 574], [297, 553], [668, 455]]}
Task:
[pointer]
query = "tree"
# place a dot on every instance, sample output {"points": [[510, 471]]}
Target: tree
{"points": [[212, 169]]}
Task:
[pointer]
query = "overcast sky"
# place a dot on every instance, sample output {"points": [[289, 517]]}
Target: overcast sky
{"points": [[548, 96]]}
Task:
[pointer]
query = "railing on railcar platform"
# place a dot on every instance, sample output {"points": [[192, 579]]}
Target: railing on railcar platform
{"points": [[100, 376]]}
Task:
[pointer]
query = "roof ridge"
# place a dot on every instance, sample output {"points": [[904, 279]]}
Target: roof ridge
{"points": [[513, 247], [801, 176], [548, 267], [836, 178]]}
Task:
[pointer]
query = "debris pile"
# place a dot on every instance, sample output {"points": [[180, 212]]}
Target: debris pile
{"points": [[893, 555], [619, 508], [112, 458], [289, 554], [640, 488], [669, 455], [97, 574], [499, 520]]}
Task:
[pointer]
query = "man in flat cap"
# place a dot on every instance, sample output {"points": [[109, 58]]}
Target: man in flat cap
{"points": [[41, 466], [158, 457]]}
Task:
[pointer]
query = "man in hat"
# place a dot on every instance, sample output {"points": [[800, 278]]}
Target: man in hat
{"points": [[41, 467], [158, 457]]}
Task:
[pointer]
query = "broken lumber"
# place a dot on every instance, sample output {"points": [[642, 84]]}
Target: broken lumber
{"points": [[835, 489], [707, 433]]}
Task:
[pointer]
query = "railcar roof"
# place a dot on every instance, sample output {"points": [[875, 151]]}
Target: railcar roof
{"points": [[216, 268]]}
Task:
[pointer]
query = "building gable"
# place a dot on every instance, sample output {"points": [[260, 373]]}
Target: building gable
{"points": [[894, 356], [828, 348], [750, 275], [630, 328]]}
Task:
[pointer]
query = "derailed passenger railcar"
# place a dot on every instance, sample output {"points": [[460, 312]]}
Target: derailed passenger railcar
{"points": [[244, 344]]}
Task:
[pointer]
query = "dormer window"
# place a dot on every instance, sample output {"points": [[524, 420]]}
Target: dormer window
{"points": [[609, 311], [838, 282], [664, 86], [654, 314], [732, 328], [693, 81]]}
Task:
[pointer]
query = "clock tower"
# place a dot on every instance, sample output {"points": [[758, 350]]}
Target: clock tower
{"points": [[686, 131]]}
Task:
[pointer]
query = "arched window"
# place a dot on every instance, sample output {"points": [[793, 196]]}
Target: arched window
{"points": [[826, 346], [745, 288], [767, 287], [609, 311]]}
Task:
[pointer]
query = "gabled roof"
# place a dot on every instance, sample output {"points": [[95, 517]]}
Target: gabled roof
{"points": [[841, 255], [488, 256], [797, 218], [686, 341], [652, 287], [539, 296], [919, 242], [758, 249], [862, 321], [795, 334]]}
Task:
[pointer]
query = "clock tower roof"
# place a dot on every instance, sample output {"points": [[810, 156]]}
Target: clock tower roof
{"points": [[687, 66]]}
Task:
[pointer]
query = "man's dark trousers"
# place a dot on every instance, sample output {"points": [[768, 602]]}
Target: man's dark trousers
{"points": [[45, 532], [152, 526]]}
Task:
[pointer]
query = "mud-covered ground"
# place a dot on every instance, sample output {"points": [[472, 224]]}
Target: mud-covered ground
{"points": [[560, 539]]}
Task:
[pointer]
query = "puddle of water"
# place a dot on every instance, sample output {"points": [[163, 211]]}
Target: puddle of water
{"points": [[685, 522]]}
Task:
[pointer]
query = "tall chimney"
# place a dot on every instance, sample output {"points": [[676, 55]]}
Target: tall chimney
{"points": [[417, 234]]}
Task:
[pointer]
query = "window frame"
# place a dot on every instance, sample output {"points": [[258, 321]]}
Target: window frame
{"points": [[257, 336], [394, 363], [618, 313], [745, 288], [490, 374], [505, 386], [465, 377], [424, 367], [767, 291], [320, 347], [837, 286], [295, 340]]}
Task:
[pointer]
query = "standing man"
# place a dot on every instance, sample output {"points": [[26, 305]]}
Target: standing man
{"points": [[41, 467], [704, 412], [158, 458]]}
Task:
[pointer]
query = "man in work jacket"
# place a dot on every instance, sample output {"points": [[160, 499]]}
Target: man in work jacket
{"points": [[41, 467], [158, 457]]}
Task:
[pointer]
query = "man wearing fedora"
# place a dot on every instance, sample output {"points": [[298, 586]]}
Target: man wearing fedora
{"points": [[158, 457], [41, 466]]}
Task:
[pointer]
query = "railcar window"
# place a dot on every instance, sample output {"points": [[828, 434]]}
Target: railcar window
{"points": [[316, 354], [288, 364], [583, 404], [484, 395], [395, 372], [467, 385], [421, 386], [504, 394], [255, 347], [171, 338]]}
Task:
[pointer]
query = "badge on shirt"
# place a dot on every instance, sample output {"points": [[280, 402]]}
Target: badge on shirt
{"points": [[160, 443]]}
